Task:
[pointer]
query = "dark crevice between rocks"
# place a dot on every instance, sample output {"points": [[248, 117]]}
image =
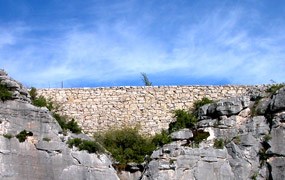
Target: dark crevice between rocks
{"points": [[269, 171], [76, 159]]}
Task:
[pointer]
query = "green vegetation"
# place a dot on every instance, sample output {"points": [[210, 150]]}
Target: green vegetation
{"points": [[8, 136], [184, 119], [90, 146], [199, 136], [5, 94], [267, 138], [22, 136], [46, 139], [274, 88], [219, 143], [254, 176], [41, 101], [146, 80], [126, 145], [202, 102], [237, 140], [161, 138], [65, 124]]}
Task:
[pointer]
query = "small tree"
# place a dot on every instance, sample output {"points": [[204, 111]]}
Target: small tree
{"points": [[145, 79]]}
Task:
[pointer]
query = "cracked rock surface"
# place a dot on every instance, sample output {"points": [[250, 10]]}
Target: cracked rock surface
{"points": [[44, 154], [253, 143]]}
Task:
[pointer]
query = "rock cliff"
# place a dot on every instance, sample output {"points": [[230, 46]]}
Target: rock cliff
{"points": [[44, 154], [245, 140], [236, 138]]}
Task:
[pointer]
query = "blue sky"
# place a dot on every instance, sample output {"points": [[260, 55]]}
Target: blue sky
{"points": [[95, 43]]}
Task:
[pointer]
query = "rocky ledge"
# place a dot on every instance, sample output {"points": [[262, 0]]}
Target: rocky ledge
{"points": [[44, 154], [245, 141]]}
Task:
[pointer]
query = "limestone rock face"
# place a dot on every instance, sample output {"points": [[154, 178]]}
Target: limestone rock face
{"points": [[251, 147], [44, 154], [278, 101], [20, 93]]}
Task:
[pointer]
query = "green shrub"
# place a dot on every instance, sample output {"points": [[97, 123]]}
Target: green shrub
{"points": [[65, 124], [184, 119], [219, 143], [73, 126], [22, 136], [274, 88], [199, 136], [40, 101], [237, 140], [90, 146], [46, 139], [8, 136], [5, 94], [161, 138], [127, 145], [267, 138], [202, 102]]}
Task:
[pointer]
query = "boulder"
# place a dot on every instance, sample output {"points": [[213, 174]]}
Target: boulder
{"points": [[278, 101], [182, 134], [227, 107]]}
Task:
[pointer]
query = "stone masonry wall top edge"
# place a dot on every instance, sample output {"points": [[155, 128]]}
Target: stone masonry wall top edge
{"points": [[150, 87]]}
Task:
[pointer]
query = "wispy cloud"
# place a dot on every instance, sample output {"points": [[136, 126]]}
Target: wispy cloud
{"points": [[118, 45]]}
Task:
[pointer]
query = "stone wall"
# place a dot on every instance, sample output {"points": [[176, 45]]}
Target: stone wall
{"points": [[150, 107]]}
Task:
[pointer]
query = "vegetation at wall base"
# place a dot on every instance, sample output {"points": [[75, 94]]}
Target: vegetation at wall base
{"points": [[41, 101], [5, 94], [199, 103], [184, 119], [81, 144], [126, 145], [161, 138]]}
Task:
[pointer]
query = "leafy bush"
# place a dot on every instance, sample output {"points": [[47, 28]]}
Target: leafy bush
{"points": [[161, 138], [22, 136], [219, 143], [90, 146], [5, 94], [73, 126], [202, 102], [267, 138], [65, 124], [274, 88], [126, 145], [199, 136], [40, 101], [184, 119], [46, 139], [8, 136]]}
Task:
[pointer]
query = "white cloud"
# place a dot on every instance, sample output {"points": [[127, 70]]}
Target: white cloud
{"points": [[219, 45]]}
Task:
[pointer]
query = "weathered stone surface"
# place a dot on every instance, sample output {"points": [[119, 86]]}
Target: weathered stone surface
{"points": [[19, 92], [277, 165], [278, 101], [44, 154], [227, 107], [241, 158], [182, 134], [277, 141], [262, 106], [98, 109]]}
